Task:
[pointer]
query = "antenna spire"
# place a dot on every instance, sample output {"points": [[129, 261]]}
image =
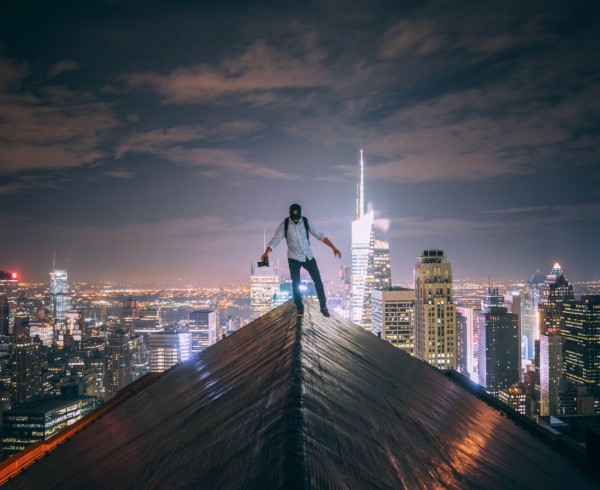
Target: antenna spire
{"points": [[361, 204]]}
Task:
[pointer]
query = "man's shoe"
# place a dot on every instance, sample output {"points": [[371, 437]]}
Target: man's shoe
{"points": [[325, 312], [300, 311]]}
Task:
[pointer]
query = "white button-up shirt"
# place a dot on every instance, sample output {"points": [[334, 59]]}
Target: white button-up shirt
{"points": [[298, 244]]}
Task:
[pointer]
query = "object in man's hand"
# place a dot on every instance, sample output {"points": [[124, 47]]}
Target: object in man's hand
{"points": [[264, 263]]}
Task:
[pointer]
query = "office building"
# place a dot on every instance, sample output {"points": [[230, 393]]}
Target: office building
{"points": [[168, 349], [379, 275], [203, 329], [472, 342], [41, 420], [149, 321], [498, 349], [530, 300], [393, 316], [515, 397], [361, 249], [9, 289], [462, 344], [580, 329], [26, 371], [60, 296], [551, 371], [130, 314], [435, 312], [117, 364], [264, 284]]}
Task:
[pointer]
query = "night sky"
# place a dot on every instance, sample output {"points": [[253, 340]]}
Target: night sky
{"points": [[155, 141]]}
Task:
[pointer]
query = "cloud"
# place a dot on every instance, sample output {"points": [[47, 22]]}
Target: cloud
{"points": [[527, 209], [57, 129], [155, 140], [119, 174], [232, 162], [62, 66], [261, 68]]}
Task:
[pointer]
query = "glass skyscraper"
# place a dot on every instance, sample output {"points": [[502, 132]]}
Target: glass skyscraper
{"points": [[59, 293]]}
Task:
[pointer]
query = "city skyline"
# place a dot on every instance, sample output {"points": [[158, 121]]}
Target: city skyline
{"points": [[151, 142]]}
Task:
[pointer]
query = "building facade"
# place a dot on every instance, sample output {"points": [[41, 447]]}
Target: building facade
{"points": [[203, 329], [168, 349], [60, 296], [498, 350], [435, 311], [392, 316]]}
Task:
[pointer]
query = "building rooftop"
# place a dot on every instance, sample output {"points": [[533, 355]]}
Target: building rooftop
{"points": [[298, 403]]}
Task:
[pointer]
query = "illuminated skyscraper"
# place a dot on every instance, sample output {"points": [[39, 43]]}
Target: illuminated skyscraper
{"points": [[4, 316], [393, 316], [117, 371], [530, 300], [580, 329], [435, 312], [498, 349], [130, 314], [472, 339], [203, 329], [168, 349], [60, 297], [362, 250], [379, 275], [264, 284], [26, 371], [9, 287], [551, 371]]}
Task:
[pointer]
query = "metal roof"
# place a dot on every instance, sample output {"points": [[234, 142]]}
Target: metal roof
{"points": [[307, 402]]}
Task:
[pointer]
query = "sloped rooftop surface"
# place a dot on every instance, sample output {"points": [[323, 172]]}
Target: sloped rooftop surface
{"points": [[308, 403]]}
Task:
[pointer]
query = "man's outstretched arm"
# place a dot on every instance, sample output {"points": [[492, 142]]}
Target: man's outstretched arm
{"points": [[336, 252]]}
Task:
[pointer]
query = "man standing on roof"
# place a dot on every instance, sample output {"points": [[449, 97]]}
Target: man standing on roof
{"points": [[296, 229]]}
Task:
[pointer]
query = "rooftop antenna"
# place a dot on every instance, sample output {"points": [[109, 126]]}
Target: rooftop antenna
{"points": [[362, 186], [54, 261]]}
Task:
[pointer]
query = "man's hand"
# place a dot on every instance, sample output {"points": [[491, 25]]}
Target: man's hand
{"points": [[265, 256], [337, 253]]}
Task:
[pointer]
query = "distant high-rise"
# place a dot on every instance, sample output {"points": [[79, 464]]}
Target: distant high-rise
{"points": [[118, 369], [379, 275], [4, 316], [462, 344], [498, 349], [551, 371], [435, 311], [168, 349], [361, 249], [472, 339], [9, 287], [203, 329], [26, 371], [264, 284], [60, 297], [393, 316], [580, 329], [130, 314], [530, 300]]}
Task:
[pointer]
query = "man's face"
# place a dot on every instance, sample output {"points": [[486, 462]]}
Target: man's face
{"points": [[295, 220]]}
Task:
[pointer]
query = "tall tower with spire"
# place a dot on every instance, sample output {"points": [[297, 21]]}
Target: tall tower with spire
{"points": [[362, 230]]}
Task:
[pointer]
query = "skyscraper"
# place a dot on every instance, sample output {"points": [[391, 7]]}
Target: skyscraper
{"points": [[117, 371], [498, 349], [130, 314], [472, 339], [362, 230], [60, 297], [9, 287], [167, 349], [530, 300], [379, 274], [4, 316], [264, 284], [26, 373], [203, 329], [551, 371], [435, 311], [580, 329], [393, 316]]}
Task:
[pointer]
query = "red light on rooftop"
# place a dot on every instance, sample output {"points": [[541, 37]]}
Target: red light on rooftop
{"points": [[14, 275]]}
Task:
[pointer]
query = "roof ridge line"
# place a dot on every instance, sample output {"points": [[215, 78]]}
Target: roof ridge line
{"points": [[295, 453]]}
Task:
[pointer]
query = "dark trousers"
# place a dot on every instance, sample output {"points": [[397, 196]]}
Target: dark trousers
{"points": [[313, 270]]}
